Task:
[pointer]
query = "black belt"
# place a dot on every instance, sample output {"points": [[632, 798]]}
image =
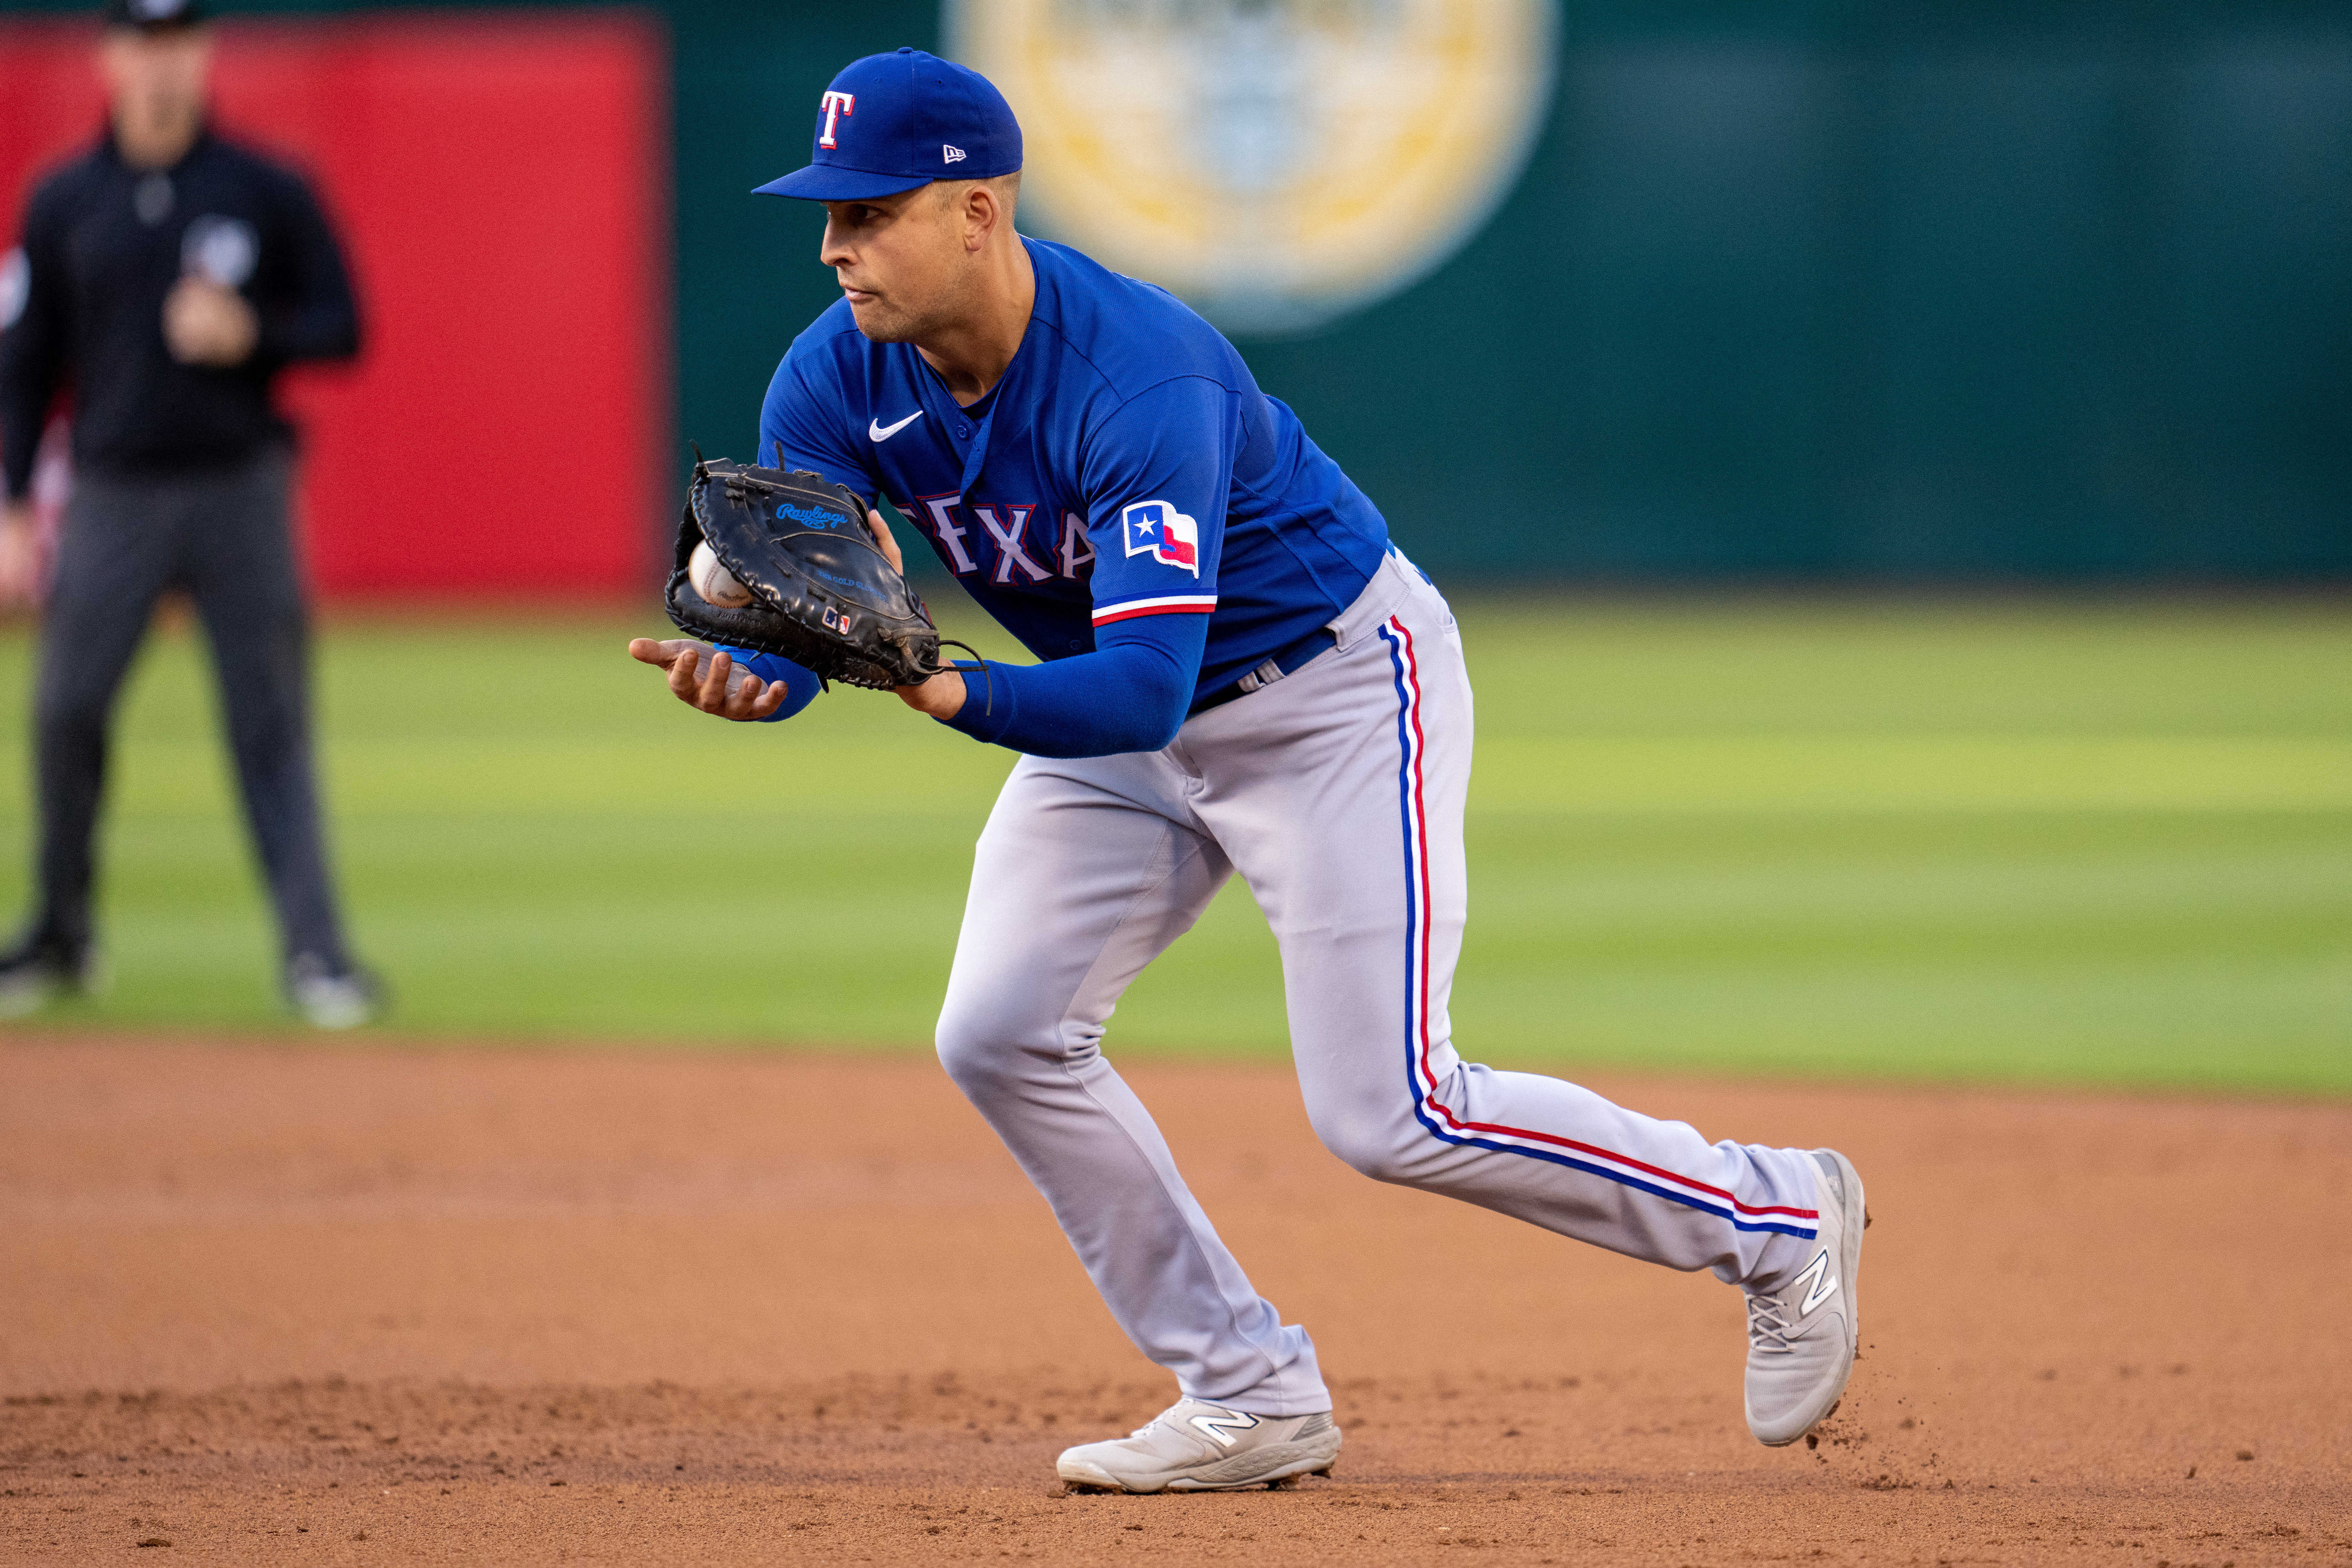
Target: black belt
{"points": [[1289, 661]]}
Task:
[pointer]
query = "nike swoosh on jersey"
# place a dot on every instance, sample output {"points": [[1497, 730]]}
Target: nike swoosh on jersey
{"points": [[881, 432]]}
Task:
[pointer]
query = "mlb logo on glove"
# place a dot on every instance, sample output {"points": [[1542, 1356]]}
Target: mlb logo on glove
{"points": [[1168, 536]]}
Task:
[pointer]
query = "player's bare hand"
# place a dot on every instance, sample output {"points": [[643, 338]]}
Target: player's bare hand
{"points": [[205, 324], [881, 531], [709, 680], [941, 697], [19, 557]]}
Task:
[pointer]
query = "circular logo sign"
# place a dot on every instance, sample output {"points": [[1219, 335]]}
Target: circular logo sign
{"points": [[1275, 163]]}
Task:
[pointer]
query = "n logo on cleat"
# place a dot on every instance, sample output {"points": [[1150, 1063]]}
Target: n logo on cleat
{"points": [[1821, 1288], [1220, 1428]]}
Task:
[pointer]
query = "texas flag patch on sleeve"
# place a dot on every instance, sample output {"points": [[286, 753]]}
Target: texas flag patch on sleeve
{"points": [[1154, 528]]}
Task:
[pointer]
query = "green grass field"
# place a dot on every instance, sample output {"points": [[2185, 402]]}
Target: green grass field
{"points": [[2024, 842]]}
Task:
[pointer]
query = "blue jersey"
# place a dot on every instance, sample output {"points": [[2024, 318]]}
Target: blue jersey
{"points": [[1125, 467]]}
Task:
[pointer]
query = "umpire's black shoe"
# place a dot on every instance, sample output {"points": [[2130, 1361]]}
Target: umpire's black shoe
{"points": [[330, 997], [40, 966]]}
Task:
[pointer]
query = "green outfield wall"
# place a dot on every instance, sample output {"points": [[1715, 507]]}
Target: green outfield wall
{"points": [[1990, 291]]}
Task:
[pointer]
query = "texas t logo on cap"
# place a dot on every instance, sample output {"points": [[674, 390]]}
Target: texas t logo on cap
{"points": [[891, 122], [836, 104]]}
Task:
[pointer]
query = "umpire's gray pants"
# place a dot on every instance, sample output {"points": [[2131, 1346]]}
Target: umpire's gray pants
{"points": [[1337, 793], [223, 537]]}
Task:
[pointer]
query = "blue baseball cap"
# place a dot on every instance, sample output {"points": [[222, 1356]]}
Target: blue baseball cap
{"points": [[891, 122]]}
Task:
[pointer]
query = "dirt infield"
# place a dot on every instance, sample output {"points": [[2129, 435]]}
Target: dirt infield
{"points": [[272, 1306]]}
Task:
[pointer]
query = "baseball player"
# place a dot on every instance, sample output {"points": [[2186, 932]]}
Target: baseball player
{"points": [[1240, 672]]}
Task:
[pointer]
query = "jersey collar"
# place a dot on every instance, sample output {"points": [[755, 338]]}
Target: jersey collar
{"points": [[942, 404]]}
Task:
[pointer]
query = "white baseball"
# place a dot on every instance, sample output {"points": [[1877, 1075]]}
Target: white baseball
{"points": [[715, 583]]}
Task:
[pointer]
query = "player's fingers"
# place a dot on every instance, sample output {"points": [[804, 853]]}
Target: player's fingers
{"points": [[681, 674], [743, 698], [742, 687], [890, 546], [771, 700], [714, 683], [664, 652]]}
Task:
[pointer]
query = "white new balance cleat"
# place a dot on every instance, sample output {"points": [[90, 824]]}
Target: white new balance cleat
{"points": [[1802, 1340], [1194, 1447]]}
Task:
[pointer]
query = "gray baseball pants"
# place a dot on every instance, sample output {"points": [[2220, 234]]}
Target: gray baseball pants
{"points": [[1336, 793], [224, 537]]}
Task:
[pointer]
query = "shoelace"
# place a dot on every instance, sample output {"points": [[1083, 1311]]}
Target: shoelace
{"points": [[1767, 1331]]}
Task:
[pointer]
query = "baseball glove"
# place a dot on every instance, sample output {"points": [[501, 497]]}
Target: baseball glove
{"points": [[822, 593]]}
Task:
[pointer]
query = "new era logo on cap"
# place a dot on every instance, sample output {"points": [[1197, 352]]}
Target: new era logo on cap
{"points": [[891, 122]]}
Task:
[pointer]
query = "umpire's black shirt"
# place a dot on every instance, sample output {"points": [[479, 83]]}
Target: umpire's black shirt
{"points": [[83, 305]]}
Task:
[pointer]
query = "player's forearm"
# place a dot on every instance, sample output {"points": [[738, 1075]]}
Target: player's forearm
{"points": [[1130, 697]]}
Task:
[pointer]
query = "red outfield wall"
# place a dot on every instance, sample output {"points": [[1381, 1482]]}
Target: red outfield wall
{"points": [[500, 185]]}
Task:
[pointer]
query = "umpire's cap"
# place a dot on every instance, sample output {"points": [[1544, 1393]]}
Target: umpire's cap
{"points": [[153, 15], [891, 122]]}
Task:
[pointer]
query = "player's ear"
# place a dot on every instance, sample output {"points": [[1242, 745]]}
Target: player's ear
{"points": [[976, 212], [981, 212]]}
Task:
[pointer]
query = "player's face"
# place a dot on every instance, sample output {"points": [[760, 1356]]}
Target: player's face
{"points": [[155, 80], [902, 262]]}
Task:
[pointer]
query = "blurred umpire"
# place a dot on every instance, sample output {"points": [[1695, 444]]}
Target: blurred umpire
{"points": [[166, 277]]}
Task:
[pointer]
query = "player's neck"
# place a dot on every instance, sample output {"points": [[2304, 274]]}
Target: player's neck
{"points": [[973, 353]]}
